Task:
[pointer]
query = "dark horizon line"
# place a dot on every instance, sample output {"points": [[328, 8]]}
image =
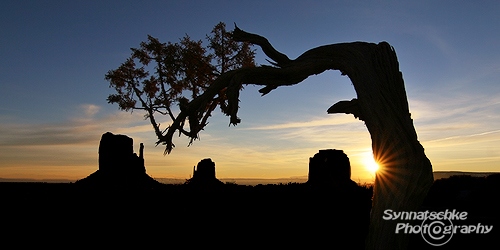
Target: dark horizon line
{"points": [[160, 179], [171, 180]]}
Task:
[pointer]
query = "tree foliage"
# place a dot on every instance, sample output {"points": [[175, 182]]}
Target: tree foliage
{"points": [[163, 78]]}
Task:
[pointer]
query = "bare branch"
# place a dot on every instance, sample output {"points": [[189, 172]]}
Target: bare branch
{"points": [[346, 107], [241, 36]]}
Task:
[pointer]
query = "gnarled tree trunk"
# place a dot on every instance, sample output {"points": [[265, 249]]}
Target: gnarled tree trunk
{"points": [[406, 173]]}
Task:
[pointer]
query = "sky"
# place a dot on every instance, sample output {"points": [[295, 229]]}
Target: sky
{"points": [[54, 55]]}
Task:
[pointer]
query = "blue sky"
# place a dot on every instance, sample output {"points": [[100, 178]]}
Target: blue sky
{"points": [[54, 55]]}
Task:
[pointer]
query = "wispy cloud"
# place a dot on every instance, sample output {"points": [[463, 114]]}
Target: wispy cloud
{"points": [[313, 122], [75, 130], [459, 131], [90, 109], [488, 135]]}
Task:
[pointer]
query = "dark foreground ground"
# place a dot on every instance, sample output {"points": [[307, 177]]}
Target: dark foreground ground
{"points": [[229, 215]]}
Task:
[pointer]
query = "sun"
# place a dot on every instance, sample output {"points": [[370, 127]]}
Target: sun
{"points": [[370, 164]]}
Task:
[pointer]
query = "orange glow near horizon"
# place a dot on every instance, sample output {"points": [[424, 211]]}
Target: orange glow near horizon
{"points": [[370, 164]]}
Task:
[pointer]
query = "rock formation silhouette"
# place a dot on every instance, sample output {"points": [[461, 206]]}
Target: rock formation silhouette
{"points": [[330, 168], [204, 174], [119, 166], [116, 155]]}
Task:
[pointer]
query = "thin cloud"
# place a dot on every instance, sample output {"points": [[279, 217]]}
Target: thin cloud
{"points": [[436, 38], [315, 122], [453, 106], [90, 109], [467, 136], [76, 130], [455, 116]]}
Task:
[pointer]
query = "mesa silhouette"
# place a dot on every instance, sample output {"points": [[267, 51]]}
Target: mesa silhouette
{"points": [[119, 166]]}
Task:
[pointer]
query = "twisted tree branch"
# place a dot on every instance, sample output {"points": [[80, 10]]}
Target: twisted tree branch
{"points": [[381, 102], [289, 72], [280, 59]]}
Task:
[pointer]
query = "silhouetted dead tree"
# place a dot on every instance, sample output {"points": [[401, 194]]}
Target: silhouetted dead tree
{"points": [[406, 174]]}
